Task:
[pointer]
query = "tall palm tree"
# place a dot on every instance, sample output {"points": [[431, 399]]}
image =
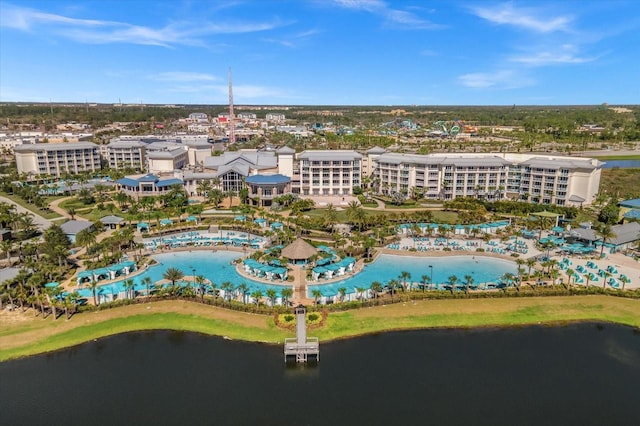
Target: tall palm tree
{"points": [[453, 279], [424, 280], [286, 293], [243, 289], [605, 232], [173, 274], [146, 281], [93, 285], [376, 288], [317, 294], [392, 285], [468, 281], [228, 288], [343, 292], [531, 262], [128, 285], [272, 296], [257, 296], [570, 273], [404, 277]]}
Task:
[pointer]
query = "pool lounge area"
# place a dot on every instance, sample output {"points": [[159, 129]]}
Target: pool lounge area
{"points": [[206, 239]]}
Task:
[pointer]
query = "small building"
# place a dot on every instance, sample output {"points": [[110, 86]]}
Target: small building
{"points": [[264, 188], [630, 210], [112, 222], [72, 228], [146, 185]]}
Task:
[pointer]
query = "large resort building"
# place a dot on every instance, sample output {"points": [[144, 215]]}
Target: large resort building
{"points": [[547, 179]]}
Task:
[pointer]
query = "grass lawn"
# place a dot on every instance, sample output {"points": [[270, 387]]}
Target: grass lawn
{"points": [[47, 214], [619, 157], [624, 183], [22, 334]]}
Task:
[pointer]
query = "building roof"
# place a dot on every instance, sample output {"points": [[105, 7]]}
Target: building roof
{"points": [[268, 179], [148, 178], [557, 163], [73, 227], [117, 143], [8, 273], [111, 220], [254, 159], [66, 146], [168, 182], [632, 214], [635, 203], [376, 150], [330, 155], [625, 233], [127, 182], [286, 150], [299, 249]]}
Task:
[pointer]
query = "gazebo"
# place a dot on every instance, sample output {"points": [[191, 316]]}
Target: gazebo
{"points": [[299, 251]]}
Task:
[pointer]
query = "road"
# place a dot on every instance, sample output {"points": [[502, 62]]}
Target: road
{"points": [[40, 221]]}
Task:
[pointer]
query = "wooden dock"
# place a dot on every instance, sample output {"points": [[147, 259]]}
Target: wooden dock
{"points": [[301, 348]]}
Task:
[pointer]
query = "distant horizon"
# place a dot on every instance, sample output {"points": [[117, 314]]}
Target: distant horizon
{"points": [[236, 105], [321, 52]]}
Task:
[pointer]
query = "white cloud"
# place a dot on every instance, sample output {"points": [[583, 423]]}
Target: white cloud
{"points": [[183, 76], [527, 18], [565, 54], [504, 79], [394, 17], [102, 32]]}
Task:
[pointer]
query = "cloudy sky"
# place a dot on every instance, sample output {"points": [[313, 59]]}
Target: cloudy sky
{"points": [[321, 52]]}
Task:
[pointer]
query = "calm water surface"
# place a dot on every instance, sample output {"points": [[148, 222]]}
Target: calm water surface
{"points": [[576, 375]]}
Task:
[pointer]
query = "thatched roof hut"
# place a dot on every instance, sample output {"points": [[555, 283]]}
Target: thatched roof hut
{"points": [[299, 250]]}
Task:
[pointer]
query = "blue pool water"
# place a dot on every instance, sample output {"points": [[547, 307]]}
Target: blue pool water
{"points": [[387, 267], [217, 268], [623, 164], [214, 266]]}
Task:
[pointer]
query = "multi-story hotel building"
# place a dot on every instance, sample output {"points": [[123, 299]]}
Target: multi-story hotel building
{"points": [[57, 159], [541, 179], [122, 154], [329, 172]]}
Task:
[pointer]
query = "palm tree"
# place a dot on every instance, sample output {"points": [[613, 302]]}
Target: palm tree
{"points": [[257, 296], [468, 281], [317, 294], [531, 262], [146, 281], [228, 288], [360, 291], [625, 280], [343, 292], [604, 231], [404, 277], [392, 285], [424, 280], [244, 290], [570, 273], [93, 285], [128, 285], [272, 295], [355, 214], [286, 293], [376, 288], [173, 275], [452, 281], [330, 217]]}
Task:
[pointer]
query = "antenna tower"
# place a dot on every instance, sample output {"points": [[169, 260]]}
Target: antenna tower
{"points": [[232, 130]]}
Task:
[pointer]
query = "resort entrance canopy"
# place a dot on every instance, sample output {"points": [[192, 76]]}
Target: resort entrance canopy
{"points": [[299, 250]]}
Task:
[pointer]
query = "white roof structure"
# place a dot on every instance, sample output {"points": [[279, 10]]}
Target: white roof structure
{"points": [[330, 155]]}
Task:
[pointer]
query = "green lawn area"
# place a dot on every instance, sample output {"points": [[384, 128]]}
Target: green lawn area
{"points": [[33, 335], [619, 157], [47, 214], [624, 183]]}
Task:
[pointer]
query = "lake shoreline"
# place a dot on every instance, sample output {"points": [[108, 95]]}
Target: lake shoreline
{"points": [[20, 342]]}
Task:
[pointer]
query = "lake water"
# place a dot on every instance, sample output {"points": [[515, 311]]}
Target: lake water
{"points": [[623, 164], [586, 374]]}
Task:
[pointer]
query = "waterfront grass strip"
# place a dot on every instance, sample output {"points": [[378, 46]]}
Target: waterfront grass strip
{"points": [[34, 336]]}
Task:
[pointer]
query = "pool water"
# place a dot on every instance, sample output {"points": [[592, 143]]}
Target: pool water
{"points": [[387, 267], [216, 267]]}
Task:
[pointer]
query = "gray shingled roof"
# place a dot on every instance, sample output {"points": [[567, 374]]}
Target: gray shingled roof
{"points": [[72, 227]]}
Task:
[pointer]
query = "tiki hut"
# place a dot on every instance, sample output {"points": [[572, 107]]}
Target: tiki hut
{"points": [[299, 251]]}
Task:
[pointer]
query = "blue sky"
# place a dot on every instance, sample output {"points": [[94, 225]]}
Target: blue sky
{"points": [[321, 52]]}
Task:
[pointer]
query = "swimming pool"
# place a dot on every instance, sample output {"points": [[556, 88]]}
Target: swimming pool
{"points": [[388, 266], [216, 267]]}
